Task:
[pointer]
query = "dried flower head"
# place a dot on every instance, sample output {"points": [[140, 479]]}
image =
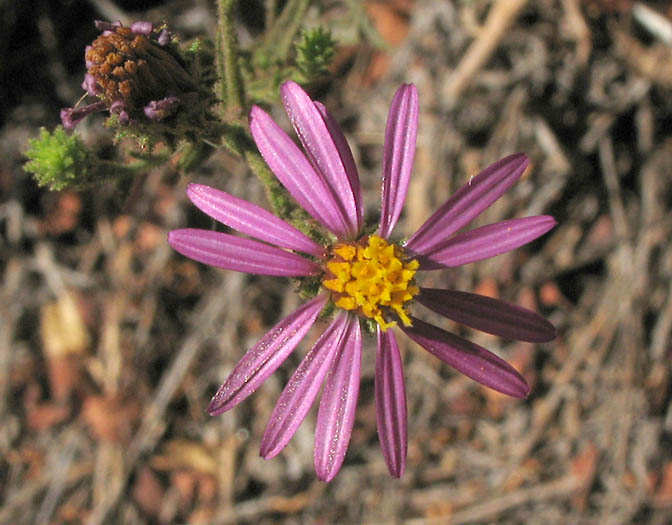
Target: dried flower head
{"points": [[135, 73]]}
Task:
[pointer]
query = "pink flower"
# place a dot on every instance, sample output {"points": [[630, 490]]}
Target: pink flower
{"points": [[364, 276]]}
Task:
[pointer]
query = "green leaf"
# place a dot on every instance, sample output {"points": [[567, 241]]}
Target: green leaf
{"points": [[314, 52]]}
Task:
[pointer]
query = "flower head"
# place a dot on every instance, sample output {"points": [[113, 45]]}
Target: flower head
{"points": [[364, 276], [134, 73]]}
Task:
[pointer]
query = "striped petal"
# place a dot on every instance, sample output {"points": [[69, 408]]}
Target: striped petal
{"points": [[302, 389], [312, 130], [295, 172], [485, 242], [347, 158], [488, 315], [391, 403], [250, 219], [266, 356], [242, 255], [399, 151], [336, 415], [472, 360], [468, 202]]}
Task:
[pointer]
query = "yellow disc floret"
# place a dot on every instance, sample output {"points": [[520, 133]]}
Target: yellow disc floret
{"points": [[373, 277]]}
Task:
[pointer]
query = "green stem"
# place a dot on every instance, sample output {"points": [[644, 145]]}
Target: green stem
{"points": [[275, 193], [239, 142], [280, 37], [230, 80], [271, 6], [145, 163], [108, 170], [103, 171], [300, 8]]}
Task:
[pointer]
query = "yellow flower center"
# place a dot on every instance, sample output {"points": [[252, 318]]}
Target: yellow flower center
{"points": [[372, 277]]}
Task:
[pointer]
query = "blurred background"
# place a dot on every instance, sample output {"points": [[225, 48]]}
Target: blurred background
{"points": [[111, 344]]}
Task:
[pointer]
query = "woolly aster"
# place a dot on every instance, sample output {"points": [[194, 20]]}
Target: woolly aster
{"points": [[364, 276]]}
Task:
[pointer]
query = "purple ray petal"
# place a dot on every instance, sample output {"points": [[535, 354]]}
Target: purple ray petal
{"points": [[336, 414], [348, 160], [321, 149], [70, 117], [250, 219], [391, 403], [399, 150], [302, 389], [295, 172], [468, 202], [485, 242], [242, 255], [488, 315], [266, 356], [472, 360]]}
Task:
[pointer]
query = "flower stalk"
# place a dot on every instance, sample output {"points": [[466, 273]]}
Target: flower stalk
{"points": [[281, 35], [230, 84]]}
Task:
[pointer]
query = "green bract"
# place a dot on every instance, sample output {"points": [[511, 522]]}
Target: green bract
{"points": [[314, 52], [59, 160]]}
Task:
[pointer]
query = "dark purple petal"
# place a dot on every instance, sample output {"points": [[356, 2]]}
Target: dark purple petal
{"points": [[348, 160], [468, 202], [320, 148], [70, 117], [391, 403], [485, 242], [472, 360], [398, 154], [142, 28], [266, 356], [336, 414], [302, 389], [488, 315], [160, 109], [242, 255], [251, 219], [295, 172], [90, 85]]}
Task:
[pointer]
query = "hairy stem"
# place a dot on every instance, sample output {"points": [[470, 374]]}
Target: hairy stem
{"points": [[280, 37], [230, 84]]}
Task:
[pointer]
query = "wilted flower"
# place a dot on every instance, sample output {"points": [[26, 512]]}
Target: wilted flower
{"points": [[365, 276], [134, 73]]}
